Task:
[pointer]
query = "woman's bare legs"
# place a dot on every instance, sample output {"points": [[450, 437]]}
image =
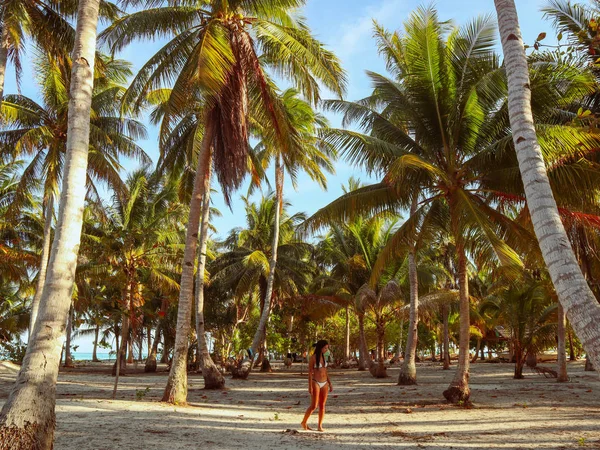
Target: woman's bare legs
{"points": [[314, 401], [322, 400]]}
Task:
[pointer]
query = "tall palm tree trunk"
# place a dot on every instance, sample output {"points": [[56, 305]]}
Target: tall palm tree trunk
{"points": [[28, 418], [35, 304], [459, 391], [213, 379], [562, 348], [446, 314], [262, 325], [408, 370], [574, 294], [68, 356], [176, 389], [3, 58]]}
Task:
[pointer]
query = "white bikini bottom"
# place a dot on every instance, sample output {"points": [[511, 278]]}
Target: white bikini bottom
{"points": [[321, 383]]}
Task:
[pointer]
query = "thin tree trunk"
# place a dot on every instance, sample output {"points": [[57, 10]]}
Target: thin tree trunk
{"points": [[130, 348], [3, 58], [68, 357], [28, 418], [572, 356], [519, 361], [378, 370], [150, 365], [400, 341], [363, 358], [121, 361], [176, 389], [262, 325], [562, 351], [96, 336], [213, 379], [446, 314], [408, 370], [346, 362], [477, 348], [119, 368], [458, 391], [48, 213], [574, 294]]}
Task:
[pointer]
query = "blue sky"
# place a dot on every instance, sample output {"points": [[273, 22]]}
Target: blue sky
{"points": [[345, 26]]}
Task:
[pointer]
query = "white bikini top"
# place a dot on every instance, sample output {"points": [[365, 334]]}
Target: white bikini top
{"points": [[319, 367]]}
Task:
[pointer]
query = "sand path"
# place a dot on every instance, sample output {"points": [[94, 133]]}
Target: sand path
{"points": [[264, 412]]}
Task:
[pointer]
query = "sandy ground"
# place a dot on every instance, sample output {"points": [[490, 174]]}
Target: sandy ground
{"points": [[264, 411]]}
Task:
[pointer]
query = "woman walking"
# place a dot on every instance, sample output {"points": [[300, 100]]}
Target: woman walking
{"points": [[319, 384]]}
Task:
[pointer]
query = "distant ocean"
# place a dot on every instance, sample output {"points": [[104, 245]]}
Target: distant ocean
{"points": [[82, 356]]}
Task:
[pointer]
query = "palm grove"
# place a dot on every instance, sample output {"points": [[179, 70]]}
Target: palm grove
{"points": [[437, 255]]}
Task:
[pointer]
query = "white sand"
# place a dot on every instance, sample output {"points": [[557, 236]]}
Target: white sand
{"points": [[362, 411]]}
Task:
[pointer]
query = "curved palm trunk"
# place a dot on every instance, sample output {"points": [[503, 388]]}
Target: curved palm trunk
{"points": [[35, 304], [213, 379], [262, 325], [398, 354], [459, 391], [446, 314], [574, 294], [3, 59], [176, 389], [28, 418], [562, 348], [408, 370]]}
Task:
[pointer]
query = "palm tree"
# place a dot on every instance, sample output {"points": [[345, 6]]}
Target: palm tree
{"points": [[40, 132], [574, 293], [221, 51], [349, 252], [525, 308], [139, 244], [304, 155], [439, 130], [27, 419]]}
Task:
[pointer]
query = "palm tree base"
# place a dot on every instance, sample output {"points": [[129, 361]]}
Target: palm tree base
{"points": [[150, 366], [266, 366], [408, 374], [213, 379], [458, 394], [22, 438], [378, 371], [589, 367], [405, 379], [242, 370]]}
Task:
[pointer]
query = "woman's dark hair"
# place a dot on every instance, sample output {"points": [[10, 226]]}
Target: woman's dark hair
{"points": [[318, 350]]}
